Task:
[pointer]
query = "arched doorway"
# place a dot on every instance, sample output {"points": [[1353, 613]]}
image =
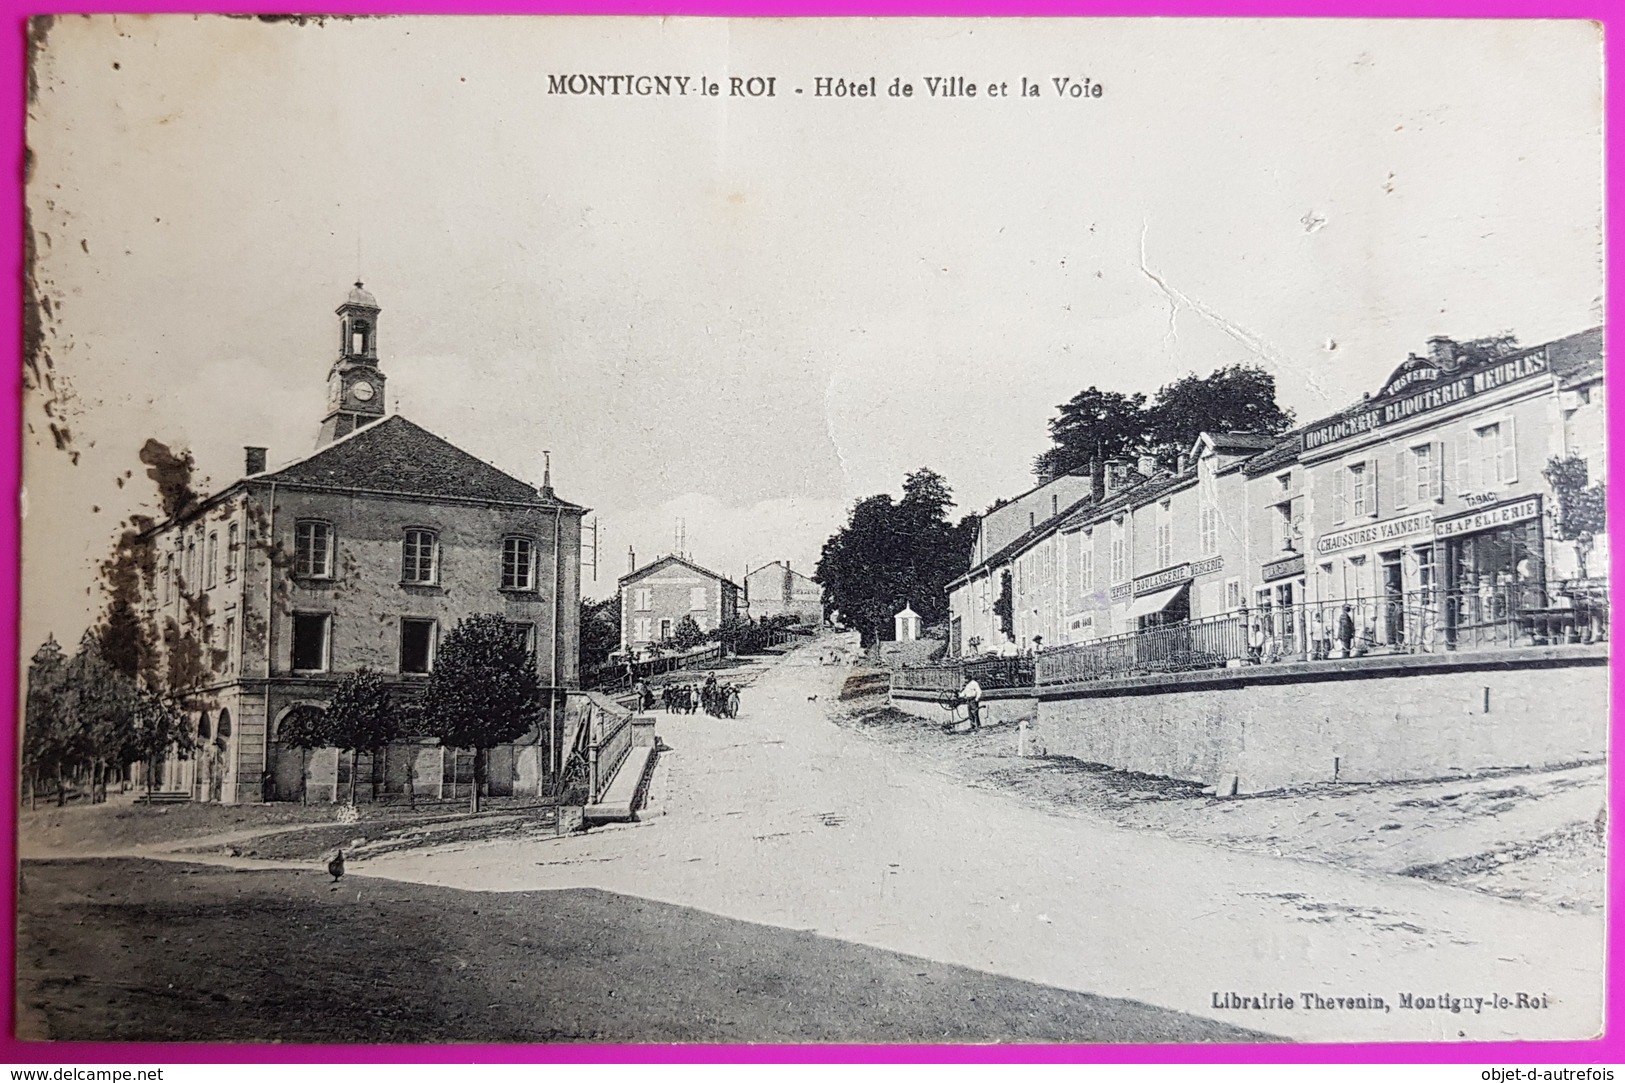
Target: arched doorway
{"points": [[299, 772]]}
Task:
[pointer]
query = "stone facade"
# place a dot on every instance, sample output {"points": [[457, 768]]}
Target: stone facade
{"points": [[777, 589], [656, 598], [264, 595]]}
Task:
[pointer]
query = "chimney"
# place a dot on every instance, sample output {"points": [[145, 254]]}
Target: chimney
{"points": [[253, 460], [1184, 462], [1442, 351], [1097, 479], [1147, 465], [631, 561]]}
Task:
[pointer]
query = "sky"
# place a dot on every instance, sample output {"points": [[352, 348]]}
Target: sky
{"points": [[749, 312]]}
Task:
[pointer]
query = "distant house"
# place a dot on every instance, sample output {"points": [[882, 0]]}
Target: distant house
{"points": [[777, 589], [656, 597]]}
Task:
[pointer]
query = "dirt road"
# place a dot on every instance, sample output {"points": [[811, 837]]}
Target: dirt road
{"points": [[783, 818]]}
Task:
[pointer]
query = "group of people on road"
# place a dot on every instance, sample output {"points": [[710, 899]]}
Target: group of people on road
{"points": [[715, 699]]}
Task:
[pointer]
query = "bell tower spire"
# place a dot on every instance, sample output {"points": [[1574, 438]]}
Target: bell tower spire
{"points": [[355, 383]]}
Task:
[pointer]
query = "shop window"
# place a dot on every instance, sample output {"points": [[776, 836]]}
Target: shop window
{"points": [[313, 549], [417, 645], [518, 564], [419, 557], [310, 641]]}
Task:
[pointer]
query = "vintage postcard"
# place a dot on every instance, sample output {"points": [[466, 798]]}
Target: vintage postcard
{"points": [[813, 531]]}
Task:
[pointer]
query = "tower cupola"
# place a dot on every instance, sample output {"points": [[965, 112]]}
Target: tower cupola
{"points": [[355, 383]]}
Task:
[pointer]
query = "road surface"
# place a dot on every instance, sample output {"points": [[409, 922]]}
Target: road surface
{"points": [[781, 817]]}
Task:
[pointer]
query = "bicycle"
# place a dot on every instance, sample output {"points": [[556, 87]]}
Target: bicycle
{"points": [[950, 702]]}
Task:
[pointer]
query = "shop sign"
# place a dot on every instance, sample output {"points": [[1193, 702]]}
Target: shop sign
{"points": [[1517, 511], [1439, 395], [1162, 580], [1283, 568], [1387, 530], [1122, 592]]}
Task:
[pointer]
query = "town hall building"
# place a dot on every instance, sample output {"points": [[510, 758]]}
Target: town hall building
{"points": [[365, 552]]}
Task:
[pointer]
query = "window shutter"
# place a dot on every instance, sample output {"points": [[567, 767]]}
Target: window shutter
{"points": [[1340, 500], [1401, 497], [1464, 462], [1437, 477], [1509, 451], [1373, 487]]}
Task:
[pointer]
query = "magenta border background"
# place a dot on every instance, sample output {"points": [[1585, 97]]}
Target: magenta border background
{"points": [[1609, 1049]]}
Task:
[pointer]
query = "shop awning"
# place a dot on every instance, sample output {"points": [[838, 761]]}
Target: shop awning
{"points": [[1155, 603]]}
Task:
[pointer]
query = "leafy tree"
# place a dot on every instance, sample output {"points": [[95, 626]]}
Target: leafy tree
{"points": [[304, 728], [1240, 398], [1582, 508], [688, 634], [1093, 424], [1004, 606], [98, 707], [1098, 424], [45, 735], [600, 630], [483, 692], [160, 728], [895, 553], [361, 718]]}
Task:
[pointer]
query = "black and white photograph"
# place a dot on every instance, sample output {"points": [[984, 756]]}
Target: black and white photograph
{"points": [[631, 530]]}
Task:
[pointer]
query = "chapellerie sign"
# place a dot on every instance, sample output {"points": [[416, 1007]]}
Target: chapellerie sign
{"points": [[1516, 511], [1443, 393]]}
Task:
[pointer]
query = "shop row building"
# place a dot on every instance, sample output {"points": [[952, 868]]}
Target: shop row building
{"points": [[1419, 517]]}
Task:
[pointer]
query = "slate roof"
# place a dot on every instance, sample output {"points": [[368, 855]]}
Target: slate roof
{"points": [[397, 456], [1240, 441], [675, 559], [1284, 453]]}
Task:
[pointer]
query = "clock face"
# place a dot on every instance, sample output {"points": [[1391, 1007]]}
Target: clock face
{"points": [[362, 390]]}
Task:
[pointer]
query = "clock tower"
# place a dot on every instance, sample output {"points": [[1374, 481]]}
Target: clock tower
{"points": [[355, 385]]}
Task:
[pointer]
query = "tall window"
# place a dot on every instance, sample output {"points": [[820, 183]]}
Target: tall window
{"points": [[169, 578], [640, 629], [1283, 523], [189, 576], [696, 598], [1357, 490], [310, 641], [417, 645], [1496, 454], [212, 558], [418, 557], [313, 549], [1119, 558], [518, 564], [643, 599], [230, 644], [1165, 543], [665, 629], [1208, 527], [231, 553], [1086, 570], [1422, 468]]}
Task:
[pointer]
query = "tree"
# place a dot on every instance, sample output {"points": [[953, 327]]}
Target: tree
{"points": [[1240, 398], [600, 630], [688, 634], [361, 718], [483, 692], [44, 718], [1093, 424], [1098, 424], [160, 728], [895, 553], [1582, 508], [98, 706], [303, 728], [1004, 606]]}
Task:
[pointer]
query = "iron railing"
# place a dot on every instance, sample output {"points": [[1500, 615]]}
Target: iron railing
{"points": [[939, 677], [609, 749], [1014, 672]]}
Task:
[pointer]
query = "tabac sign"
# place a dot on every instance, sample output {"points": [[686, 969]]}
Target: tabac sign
{"points": [[1420, 388]]}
